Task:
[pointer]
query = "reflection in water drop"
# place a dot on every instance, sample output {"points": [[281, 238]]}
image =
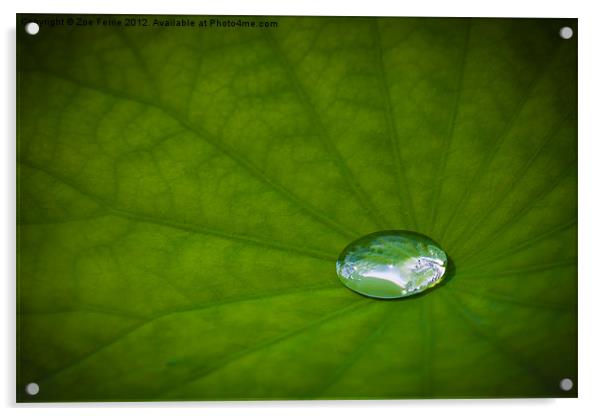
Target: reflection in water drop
{"points": [[391, 264]]}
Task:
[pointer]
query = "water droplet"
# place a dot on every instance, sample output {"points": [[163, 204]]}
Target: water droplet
{"points": [[391, 264]]}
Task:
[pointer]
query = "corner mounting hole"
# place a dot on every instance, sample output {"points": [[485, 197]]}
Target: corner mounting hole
{"points": [[32, 28], [566, 32], [32, 389], [566, 384]]}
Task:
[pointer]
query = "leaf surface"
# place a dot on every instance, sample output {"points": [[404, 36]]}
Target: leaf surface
{"points": [[183, 195]]}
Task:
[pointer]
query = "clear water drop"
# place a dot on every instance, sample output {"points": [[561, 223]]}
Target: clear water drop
{"points": [[391, 264]]}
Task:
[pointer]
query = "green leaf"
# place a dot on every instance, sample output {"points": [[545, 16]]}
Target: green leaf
{"points": [[183, 194]]}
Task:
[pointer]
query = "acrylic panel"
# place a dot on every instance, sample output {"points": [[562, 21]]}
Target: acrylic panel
{"points": [[186, 185]]}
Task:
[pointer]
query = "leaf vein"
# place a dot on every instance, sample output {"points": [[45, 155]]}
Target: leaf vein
{"points": [[522, 212], [472, 226], [218, 144], [452, 125], [469, 189], [400, 173], [360, 194], [191, 228], [229, 359], [478, 329], [354, 357], [529, 303], [196, 308], [522, 245]]}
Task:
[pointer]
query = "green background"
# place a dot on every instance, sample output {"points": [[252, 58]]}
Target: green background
{"points": [[183, 195]]}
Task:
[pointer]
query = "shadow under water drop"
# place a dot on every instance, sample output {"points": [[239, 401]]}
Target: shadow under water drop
{"points": [[450, 273]]}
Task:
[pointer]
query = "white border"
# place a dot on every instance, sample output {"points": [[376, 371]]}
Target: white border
{"points": [[590, 208]]}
